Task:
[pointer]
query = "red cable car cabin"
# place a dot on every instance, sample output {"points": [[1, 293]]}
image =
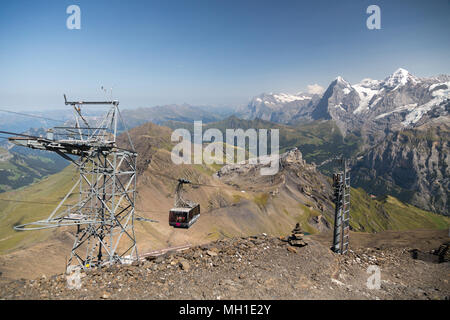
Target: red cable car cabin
{"points": [[185, 212], [184, 217]]}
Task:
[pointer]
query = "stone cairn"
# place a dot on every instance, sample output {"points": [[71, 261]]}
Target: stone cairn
{"points": [[296, 238]]}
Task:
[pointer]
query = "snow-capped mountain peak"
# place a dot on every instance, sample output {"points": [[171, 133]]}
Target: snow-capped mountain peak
{"points": [[342, 81], [366, 89], [279, 98], [342, 84], [400, 78], [369, 83], [277, 107], [400, 100], [285, 97]]}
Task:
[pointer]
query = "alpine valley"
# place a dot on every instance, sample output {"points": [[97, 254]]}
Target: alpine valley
{"points": [[400, 125]]}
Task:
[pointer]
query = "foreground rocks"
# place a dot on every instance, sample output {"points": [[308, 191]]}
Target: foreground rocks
{"points": [[258, 267]]}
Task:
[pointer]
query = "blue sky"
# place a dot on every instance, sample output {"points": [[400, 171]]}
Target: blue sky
{"points": [[209, 52]]}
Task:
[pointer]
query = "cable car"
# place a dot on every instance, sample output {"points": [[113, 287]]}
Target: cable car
{"points": [[185, 213], [184, 217]]}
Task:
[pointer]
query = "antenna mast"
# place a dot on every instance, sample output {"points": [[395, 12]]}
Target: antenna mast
{"points": [[341, 185]]}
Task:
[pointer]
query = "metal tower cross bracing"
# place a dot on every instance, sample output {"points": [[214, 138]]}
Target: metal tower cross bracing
{"points": [[341, 186], [104, 210]]}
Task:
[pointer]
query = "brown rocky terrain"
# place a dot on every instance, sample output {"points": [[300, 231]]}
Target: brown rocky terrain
{"points": [[264, 267], [235, 202], [412, 165], [231, 205]]}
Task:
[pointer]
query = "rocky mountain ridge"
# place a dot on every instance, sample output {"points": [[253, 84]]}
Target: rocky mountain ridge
{"points": [[412, 164], [399, 101]]}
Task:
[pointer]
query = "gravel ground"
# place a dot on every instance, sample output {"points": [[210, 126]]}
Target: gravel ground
{"points": [[258, 267]]}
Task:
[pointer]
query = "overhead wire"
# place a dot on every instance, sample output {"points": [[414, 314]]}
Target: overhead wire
{"points": [[33, 202], [31, 115], [139, 218], [53, 203], [192, 183], [19, 134]]}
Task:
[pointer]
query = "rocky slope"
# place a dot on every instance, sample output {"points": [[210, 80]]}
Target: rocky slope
{"points": [[413, 165], [20, 167], [263, 267], [227, 210], [237, 202], [318, 141]]}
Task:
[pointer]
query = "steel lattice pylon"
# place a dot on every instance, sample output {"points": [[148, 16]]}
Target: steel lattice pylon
{"points": [[104, 212]]}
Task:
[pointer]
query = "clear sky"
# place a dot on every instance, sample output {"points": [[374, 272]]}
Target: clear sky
{"points": [[209, 51]]}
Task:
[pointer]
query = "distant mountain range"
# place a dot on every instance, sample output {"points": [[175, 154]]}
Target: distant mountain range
{"points": [[280, 107], [22, 166], [402, 100], [397, 128], [402, 123], [174, 112]]}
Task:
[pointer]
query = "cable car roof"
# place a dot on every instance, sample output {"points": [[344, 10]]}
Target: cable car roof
{"points": [[181, 209]]}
